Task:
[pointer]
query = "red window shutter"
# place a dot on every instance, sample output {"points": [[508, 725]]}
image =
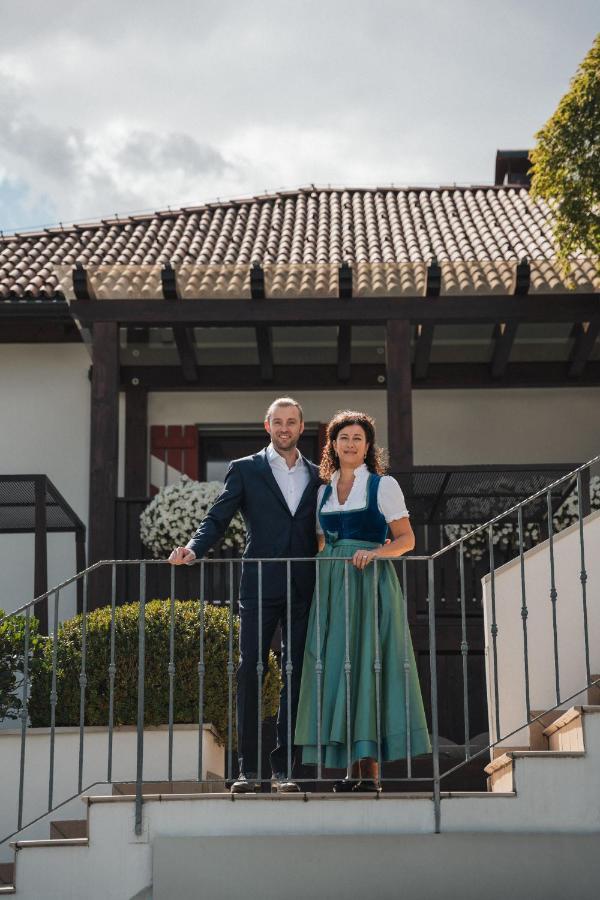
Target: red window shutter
{"points": [[173, 452]]}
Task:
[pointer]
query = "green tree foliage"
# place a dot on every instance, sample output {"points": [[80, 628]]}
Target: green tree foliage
{"points": [[156, 683], [566, 162]]}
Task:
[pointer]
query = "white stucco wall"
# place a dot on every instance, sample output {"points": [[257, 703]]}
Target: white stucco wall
{"points": [[44, 429], [454, 427]]}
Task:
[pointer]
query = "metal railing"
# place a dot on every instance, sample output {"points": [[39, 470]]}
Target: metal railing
{"points": [[433, 777]]}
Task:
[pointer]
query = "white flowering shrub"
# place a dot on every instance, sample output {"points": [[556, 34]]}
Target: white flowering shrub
{"points": [[505, 534], [173, 515]]}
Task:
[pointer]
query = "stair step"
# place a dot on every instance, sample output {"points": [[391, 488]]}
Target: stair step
{"points": [[68, 828], [593, 692], [170, 787], [7, 874]]}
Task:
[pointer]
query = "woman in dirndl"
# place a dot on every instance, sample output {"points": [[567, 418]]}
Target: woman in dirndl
{"points": [[358, 639]]}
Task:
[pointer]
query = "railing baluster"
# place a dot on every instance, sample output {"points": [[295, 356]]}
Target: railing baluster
{"points": [[141, 705], [553, 593], [230, 681], [289, 666], [406, 665], [434, 697], [347, 670], [494, 628], [201, 674], [583, 578], [464, 649], [24, 714], [112, 669], [377, 663], [259, 675], [82, 682], [318, 672], [171, 671], [524, 611], [53, 700]]}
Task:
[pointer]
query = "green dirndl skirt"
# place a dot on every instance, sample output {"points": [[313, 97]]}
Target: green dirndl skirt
{"points": [[402, 717]]}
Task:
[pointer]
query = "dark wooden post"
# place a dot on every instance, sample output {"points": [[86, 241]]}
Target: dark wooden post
{"points": [[40, 571], [136, 443], [104, 454], [399, 395], [80, 564]]}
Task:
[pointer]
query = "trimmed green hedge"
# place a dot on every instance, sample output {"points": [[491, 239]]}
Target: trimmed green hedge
{"points": [[187, 644], [12, 650]]}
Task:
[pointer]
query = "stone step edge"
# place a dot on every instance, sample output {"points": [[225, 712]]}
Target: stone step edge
{"points": [[507, 758], [302, 797], [574, 712]]}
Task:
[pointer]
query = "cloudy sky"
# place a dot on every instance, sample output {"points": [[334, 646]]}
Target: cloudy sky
{"points": [[128, 105]]}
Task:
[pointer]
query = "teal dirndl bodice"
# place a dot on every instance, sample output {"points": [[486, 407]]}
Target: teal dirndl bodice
{"points": [[366, 524]]}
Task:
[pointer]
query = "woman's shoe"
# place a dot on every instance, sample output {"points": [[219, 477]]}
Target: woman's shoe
{"points": [[345, 786], [367, 786]]}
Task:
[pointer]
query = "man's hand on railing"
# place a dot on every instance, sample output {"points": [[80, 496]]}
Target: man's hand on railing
{"points": [[182, 556]]}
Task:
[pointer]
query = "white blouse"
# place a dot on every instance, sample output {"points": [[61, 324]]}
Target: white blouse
{"points": [[390, 498]]}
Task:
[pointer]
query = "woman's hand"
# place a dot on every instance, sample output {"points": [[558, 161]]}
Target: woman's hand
{"points": [[362, 558]]}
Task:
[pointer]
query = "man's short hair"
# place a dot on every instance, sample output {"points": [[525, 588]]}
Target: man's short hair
{"points": [[283, 401]]}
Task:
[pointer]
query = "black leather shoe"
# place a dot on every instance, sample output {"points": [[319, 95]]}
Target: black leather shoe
{"points": [[367, 786], [345, 786], [245, 784]]}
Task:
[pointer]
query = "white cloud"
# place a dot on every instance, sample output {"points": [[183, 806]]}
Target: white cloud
{"points": [[112, 106]]}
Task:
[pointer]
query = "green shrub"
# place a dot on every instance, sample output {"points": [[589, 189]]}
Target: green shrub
{"points": [[156, 681], [12, 649]]}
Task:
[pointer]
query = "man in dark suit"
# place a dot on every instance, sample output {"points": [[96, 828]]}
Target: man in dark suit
{"points": [[276, 492]]}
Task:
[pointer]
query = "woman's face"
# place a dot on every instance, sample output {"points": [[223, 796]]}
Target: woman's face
{"points": [[351, 445]]}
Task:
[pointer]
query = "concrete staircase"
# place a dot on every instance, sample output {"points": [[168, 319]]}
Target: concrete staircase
{"points": [[540, 804]]}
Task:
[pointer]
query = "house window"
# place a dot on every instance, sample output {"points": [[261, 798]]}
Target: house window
{"points": [[218, 446]]}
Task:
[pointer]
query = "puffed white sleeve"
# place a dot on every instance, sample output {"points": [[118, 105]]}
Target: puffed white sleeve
{"points": [[390, 499], [319, 498]]}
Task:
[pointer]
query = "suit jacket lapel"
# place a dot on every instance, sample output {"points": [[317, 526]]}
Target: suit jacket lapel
{"points": [[313, 477], [270, 478]]}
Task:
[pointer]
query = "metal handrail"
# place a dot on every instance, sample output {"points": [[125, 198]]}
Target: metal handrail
{"points": [[287, 674]]}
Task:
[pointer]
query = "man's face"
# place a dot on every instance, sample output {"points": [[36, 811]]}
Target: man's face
{"points": [[285, 427]]}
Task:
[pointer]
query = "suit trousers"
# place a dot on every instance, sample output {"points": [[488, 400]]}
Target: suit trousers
{"points": [[274, 611]]}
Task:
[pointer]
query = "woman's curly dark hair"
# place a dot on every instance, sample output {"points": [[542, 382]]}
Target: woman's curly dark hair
{"points": [[375, 459]]}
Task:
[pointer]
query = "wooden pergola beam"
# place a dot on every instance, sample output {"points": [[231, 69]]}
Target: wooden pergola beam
{"points": [[399, 394], [104, 448], [136, 442], [364, 376], [264, 346], [586, 335], [423, 345], [504, 338], [344, 353], [182, 335], [356, 310]]}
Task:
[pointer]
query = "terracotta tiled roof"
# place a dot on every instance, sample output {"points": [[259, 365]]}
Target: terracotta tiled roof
{"points": [[388, 235]]}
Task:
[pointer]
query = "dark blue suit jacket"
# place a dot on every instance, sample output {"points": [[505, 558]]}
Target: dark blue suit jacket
{"points": [[272, 530]]}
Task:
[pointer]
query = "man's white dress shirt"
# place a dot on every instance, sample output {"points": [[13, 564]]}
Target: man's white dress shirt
{"points": [[292, 482], [390, 498]]}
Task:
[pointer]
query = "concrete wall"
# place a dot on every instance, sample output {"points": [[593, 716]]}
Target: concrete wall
{"points": [[422, 867], [540, 635]]}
